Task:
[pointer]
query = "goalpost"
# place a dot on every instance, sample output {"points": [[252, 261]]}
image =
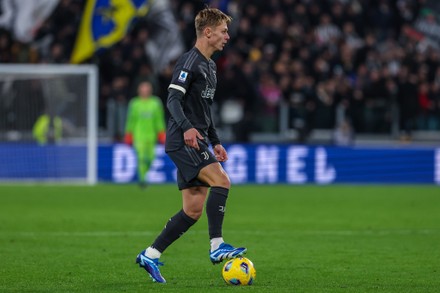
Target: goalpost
{"points": [[48, 123]]}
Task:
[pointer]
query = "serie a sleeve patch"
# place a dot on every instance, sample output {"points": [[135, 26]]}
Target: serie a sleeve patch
{"points": [[182, 76]]}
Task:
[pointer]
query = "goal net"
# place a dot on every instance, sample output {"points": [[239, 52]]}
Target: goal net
{"points": [[48, 123]]}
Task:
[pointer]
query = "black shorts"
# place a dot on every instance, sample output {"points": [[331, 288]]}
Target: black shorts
{"points": [[189, 162]]}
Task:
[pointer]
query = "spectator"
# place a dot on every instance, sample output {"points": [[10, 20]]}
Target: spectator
{"points": [[327, 32], [408, 103], [281, 50], [117, 108], [271, 96]]}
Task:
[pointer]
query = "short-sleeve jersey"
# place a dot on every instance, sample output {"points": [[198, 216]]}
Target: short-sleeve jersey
{"points": [[195, 76]]}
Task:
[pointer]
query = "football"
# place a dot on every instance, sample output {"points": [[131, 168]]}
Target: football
{"points": [[239, 271]]}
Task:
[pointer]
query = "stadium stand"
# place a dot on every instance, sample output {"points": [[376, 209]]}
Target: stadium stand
{"points": [[343, 69]]}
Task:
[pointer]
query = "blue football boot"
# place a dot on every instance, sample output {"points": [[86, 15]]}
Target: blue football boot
{"points": [[151, 266], [225, 251]]}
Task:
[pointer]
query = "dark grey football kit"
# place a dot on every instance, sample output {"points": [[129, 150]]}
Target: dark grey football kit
{"points": [[190, 97]]}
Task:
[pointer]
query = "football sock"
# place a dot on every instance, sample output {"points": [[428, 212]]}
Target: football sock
{"points": [[215, 243], [175, 227], [215, 210], [152, 253]]}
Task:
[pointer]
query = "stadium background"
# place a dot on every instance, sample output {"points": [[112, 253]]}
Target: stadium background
{"points": [[289, 87], [360, 75]]}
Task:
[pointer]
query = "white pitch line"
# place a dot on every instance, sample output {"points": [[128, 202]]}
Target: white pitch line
{"points": [[254, 232]]}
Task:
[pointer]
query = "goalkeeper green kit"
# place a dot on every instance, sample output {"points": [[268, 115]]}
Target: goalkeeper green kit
{"points": [[145, 125]]}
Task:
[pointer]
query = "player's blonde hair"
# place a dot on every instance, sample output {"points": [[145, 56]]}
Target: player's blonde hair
{"points": [[210, 17]]}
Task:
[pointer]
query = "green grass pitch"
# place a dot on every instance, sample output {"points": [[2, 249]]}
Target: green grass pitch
{"points": [[301, 239]]}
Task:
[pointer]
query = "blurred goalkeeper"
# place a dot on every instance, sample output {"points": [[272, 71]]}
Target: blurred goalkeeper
{"points": [[145, 126]]}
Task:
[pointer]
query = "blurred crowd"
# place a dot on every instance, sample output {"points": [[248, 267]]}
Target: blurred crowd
{"points": [[344, 65]]}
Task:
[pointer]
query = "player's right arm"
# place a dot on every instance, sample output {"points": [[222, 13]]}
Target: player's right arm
{"points": [[174, 105], [180, 83], [129, 124]]}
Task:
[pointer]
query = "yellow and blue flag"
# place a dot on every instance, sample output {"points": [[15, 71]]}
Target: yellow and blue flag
{"points": [[104, 23]]}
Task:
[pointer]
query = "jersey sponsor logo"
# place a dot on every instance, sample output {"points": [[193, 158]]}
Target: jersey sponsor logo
{"points": [[208, 93], [210, 77], [183, 75]]}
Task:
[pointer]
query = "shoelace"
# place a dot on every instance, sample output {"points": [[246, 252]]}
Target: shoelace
{"points": [[158, 263], [226, 246]]}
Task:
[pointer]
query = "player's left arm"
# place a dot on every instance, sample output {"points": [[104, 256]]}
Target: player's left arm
{"points": [[160, 122], [129, 123], [219, 151], [212, 132]]}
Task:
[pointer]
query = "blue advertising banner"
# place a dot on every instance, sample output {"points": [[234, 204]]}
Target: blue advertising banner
{"points": [[21, 161], [248, 163], [291, 164]]}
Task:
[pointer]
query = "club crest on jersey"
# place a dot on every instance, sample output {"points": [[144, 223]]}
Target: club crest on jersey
{"points": [[205, 155], [183, 75]]}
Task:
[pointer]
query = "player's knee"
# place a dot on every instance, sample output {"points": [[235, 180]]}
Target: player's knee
{"points": [[194, 213], [223, 181], [214, 175]]}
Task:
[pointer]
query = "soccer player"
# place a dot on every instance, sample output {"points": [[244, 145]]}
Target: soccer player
{"points": [[145, 125], [190, 130]]}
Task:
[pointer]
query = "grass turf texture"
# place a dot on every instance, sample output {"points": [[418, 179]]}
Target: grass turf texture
{"points": [[300, 238]]}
